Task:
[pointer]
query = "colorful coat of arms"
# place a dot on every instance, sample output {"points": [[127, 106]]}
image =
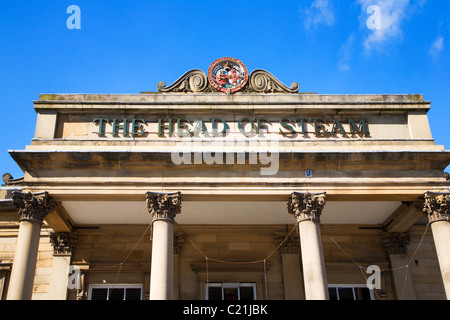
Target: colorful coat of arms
{"points": [[227, 75]]}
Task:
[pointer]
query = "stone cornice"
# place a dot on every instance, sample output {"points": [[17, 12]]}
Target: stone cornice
{"points": [[306, 206], [36, 160], [33, 207], [164, 206]]}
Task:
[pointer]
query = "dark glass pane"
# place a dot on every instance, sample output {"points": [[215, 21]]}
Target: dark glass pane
{"points": [[346, 294], [333, 293], [133, 294], [214, 293], [99, 294], [362, 294], [230, 293], [116, 294], [246, 293]]}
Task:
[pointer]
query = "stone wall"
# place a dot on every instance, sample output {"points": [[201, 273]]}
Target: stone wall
{"points": [[424, 266]]}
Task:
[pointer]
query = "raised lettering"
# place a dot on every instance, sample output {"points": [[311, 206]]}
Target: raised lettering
{"points": [[285, 123], [162, 126]]}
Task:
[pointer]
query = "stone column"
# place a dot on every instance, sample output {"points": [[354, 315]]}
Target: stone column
{"points": [[290, 261], [33, 208], [437, 208], [163, 207], [307, 208], [63, 244], [396, 245]]}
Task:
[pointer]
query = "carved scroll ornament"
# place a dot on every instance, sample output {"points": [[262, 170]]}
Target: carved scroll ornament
{"points": [[227, 75], [192, 81], [264, 82]]}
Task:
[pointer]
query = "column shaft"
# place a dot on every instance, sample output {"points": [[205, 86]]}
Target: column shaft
{"points": [[436, 205], [441, 236], [161, 279], [307, 208], [163, 207], [33, 208], [24, 265], [315, 277]]}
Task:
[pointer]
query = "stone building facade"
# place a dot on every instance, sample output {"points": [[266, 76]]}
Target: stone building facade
{"points": [[227, 185]]}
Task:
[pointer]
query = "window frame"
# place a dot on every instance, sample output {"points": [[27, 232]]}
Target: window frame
{"points": [[124, 286], [353, 287], [237, 285]]}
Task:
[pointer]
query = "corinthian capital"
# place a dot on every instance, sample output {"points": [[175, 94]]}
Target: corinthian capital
{"points": [[396, 243], [306, 206], [436, 206], [164, 206], [63, 243], [33, 206]]}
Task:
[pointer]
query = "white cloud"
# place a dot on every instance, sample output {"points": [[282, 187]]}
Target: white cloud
{"points": [[345, 54], [437, 47], [320, 12], [393, 13]]}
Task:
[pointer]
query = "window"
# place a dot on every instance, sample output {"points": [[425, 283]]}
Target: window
{"points": [[115, 292], [231, 291], [350, 292]]}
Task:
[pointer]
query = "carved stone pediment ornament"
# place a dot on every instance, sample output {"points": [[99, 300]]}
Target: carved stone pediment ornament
{"points": [[306, 206], [227, 75], [163, 206], [33, 206]]}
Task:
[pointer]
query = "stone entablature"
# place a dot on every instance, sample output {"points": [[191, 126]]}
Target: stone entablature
{"points": [[153, 120]]}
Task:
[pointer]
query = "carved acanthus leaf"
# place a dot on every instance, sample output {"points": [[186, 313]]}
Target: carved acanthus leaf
{"points": [[63, 242], [306, 206], [164, 205], [396, 243], [33, 206], [436, 206]]}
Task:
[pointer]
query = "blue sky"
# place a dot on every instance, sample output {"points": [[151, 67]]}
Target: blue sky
{"points": [[129, 46]]}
